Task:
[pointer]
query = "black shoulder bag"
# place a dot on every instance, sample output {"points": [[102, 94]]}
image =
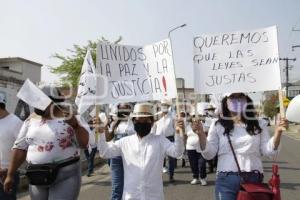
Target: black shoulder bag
{"points": [[45, 174]]}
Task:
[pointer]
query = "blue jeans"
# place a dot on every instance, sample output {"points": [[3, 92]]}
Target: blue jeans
{"points": [[172, 161], [13, 194], [228, 185], [117, 178], [90, 159]]}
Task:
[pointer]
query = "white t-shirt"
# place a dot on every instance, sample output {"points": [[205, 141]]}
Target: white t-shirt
{"points": [[166, 125], [9, 130], [192, 141], [48, 141]]}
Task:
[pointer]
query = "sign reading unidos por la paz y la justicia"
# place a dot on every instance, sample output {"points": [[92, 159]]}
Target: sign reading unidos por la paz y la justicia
{"points": [[133, 74], [242, 61]]}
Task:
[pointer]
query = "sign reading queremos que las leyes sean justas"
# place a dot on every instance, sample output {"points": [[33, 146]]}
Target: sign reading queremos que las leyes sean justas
{"points": [[242, 61], [136, 73]]}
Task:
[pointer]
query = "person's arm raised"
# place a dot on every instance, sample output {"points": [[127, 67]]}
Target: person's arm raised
{"points": [[81, 133]]}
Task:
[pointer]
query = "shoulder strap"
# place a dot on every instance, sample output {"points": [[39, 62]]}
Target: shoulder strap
{"points": [[234, 155]]}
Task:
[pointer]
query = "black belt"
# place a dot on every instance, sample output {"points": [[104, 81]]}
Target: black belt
{"points": [[67, 162]]}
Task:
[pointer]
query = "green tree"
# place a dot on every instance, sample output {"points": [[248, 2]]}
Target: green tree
{"points": [[70, 66], [271, 105]]}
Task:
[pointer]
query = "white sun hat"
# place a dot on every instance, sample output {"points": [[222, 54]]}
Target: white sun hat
{"points": [[143, 110], [166, 102]]}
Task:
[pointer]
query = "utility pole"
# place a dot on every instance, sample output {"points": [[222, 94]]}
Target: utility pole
{"points": [[287, 73]]}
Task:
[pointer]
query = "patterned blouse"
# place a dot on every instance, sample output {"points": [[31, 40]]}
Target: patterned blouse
{"points": [[47, 141]]}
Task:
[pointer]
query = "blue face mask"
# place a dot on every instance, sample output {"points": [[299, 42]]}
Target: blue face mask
{"points": [[237, 105]]}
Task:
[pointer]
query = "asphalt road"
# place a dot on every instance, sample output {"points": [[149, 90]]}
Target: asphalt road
{"points": [[98, 187]]}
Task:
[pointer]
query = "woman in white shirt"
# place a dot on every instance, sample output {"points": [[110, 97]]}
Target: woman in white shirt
{"points": [[250, 139], [47, 138], [197, 162]]}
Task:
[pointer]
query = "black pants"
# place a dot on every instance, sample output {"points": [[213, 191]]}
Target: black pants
{"points": [[197, 163]]}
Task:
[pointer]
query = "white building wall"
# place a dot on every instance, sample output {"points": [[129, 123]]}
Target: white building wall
{"points": [[20, 71]]}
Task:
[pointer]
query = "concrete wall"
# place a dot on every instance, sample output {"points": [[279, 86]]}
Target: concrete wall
{"points": [[31, 71], [13, 72]]}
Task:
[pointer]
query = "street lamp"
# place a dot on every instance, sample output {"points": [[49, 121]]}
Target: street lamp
{"points": [[295, 46], [173, 29], [169, 35], [182, 81]]}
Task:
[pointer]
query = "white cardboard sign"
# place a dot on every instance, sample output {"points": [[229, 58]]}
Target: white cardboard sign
{"points": [[33, 96], [134, 74], [242, 61]]}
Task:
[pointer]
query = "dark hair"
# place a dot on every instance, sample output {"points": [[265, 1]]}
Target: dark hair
{"points": [[2, 106], [248, 117]]}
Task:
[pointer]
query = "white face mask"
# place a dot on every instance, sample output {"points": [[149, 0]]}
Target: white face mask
{"points": [[211, 113], [164, 108]]}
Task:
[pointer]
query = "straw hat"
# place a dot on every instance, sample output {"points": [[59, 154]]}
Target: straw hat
{"points": [[166, 102], [210, 107], [142, 110]]}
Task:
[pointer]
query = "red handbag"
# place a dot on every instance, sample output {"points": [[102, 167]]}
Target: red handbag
{"points": [[251, 191], [255, 191]]}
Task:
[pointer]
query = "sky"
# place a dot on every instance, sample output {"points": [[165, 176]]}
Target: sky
{"points": [[35, 29]]}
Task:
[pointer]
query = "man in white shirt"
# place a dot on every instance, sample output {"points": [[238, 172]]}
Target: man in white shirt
{"points": [[121, 127], [10, 126], [166, 126], [142, 155]]}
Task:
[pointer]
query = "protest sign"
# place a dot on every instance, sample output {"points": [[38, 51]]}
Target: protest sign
{"points": [[33, 96], [136, 73], [242, 61], [87, 85]]}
